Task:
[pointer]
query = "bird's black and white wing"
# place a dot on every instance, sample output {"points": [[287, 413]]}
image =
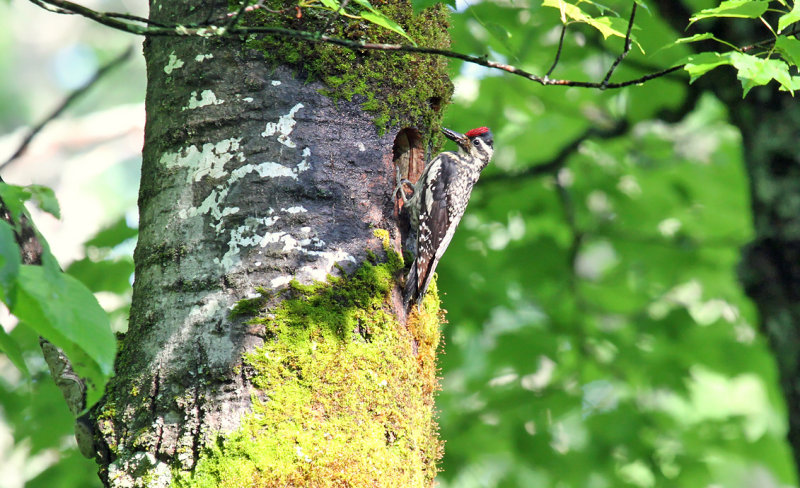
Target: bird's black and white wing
{"points": [[438, 219]]}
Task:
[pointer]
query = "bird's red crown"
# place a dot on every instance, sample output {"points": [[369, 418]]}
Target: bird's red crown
{"points": [[477, 131]]}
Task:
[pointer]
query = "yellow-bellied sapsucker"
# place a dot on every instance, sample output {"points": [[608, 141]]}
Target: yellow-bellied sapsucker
{"points": [[440, 197]]}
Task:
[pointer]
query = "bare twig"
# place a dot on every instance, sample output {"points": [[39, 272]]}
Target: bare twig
{"points": [[626, 49], [51, 8], [69, 100], [558, 51]]}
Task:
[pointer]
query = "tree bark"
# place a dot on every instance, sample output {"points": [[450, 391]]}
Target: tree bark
{"points": [[245, 362]]}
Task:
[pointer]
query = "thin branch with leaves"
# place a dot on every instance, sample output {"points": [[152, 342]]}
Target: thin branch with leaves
{"points": [[133, 25]]}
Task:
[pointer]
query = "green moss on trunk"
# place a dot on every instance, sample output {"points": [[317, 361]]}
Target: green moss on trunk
{"points": [[342, 391], [398, 88]]}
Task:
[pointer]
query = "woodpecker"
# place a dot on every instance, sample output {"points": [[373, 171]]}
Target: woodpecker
{"points": [[438, 202]]}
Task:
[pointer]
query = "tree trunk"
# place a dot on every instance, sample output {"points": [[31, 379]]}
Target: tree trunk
{"points": [[246, 362], [770, 269]]}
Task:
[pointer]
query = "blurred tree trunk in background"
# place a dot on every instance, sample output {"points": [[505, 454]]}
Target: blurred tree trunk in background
{"points": [[254, 186], [770, 269], [769, 122]]}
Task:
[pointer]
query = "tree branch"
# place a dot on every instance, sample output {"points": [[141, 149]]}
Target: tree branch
{"points": [[114, 21], [560, 160], [69, 100], [558, 50], [625, 50]]}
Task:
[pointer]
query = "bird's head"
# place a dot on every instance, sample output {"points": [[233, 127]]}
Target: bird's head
{"points": [[478, 143]]}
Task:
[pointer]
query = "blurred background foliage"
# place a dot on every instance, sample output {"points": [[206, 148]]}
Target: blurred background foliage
{"points": [[597, 334]]}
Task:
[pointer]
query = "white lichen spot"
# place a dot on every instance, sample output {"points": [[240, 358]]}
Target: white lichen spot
{"points": [[324, 265], [283, 127], [247, 99], [173, 64], [209, 161], [202, 313], [212, 205], [294, 210], [276, 83], [361, 147], [202, 57], [270, 238], [304, 166], [243, 236], [273, 170], [266, 170], [280, 281], [207, 97]]}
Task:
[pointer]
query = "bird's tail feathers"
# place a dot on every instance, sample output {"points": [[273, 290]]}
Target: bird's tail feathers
{"points": [[410, 290]]}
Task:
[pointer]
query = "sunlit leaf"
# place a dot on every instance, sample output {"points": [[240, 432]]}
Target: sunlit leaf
{"points": [[755, 71], [733, 8], [788, 19], [789, 49], [699, 64]]}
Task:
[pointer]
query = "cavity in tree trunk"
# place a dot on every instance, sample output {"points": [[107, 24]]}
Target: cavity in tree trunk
{"points": [[267, 344]]}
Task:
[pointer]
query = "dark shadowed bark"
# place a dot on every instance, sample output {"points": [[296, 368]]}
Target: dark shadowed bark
{"points": [[770, 268], [237, 369]]}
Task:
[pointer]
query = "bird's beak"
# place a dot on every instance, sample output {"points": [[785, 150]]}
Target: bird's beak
{"points": [[458, 138]]}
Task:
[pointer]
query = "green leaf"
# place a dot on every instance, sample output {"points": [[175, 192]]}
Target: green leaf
{"points": [[794, 85], [15, 196], [385, 22], [65, 312], [748, 9], [10, 261], [113, 235], [790, 18], [423, 4], [755, 71], [696, 38], [9, 346], [331, 4], [107, 275], [377, 17], [45, 199], [699, 64], [501, 34], [789, 49]]}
